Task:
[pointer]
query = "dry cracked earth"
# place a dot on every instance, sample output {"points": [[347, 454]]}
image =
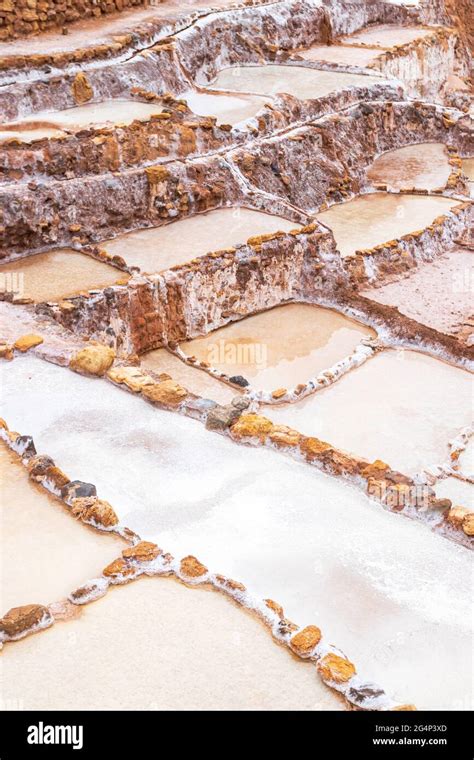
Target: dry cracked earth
{"points": [[237, 344]]}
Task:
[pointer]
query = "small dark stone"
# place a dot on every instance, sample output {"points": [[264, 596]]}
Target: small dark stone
{"points": [[77, 489], [364, 692], [222, 417], [366, 109], [239, 380], [24, 445]]}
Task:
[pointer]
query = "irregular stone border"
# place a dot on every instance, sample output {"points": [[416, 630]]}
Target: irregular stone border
{"points": [[144, 558], [364, 350]]}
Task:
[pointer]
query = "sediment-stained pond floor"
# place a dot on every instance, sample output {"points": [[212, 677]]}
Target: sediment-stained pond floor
{"points": [[144, 659], [395, 407], [46, 554], [284, 346], [160, 248], [56, 274], [318, 546], [376, 218], [414, 166], [272, 79]]}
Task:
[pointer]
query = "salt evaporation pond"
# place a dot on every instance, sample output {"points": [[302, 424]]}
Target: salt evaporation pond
{"points": [[386, 35], [28, 135], [197, 649], [195, 380], [46, 554], [437, 293], [159, 248], [118, 111], [284, 346], [301, 82], [459, 491], [56, 274], [401, 406], [393, 595], [350, 56], [376, 218], [415, 166], [228, 109]]}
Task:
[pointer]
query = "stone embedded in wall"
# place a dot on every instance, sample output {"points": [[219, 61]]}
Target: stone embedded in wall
{"points": [[20, 621], [90, 509], [335, 668], [305, 641], [82, 92], [93, 360]]}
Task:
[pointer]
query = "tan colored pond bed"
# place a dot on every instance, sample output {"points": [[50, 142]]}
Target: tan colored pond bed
{"points": [[376, 218], [351, 56], [387, 35], [303, 83], [423, 166], [118, 111], [56, 274], [437, 293], [284, 346], [228, 109], [402, 407], [157, 645], [46, 554], [159, 248]]}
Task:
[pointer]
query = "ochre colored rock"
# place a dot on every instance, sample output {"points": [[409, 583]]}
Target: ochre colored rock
{"points": [[145, 551], [284, 436], [81, 90], [304, 642], [28, 341], [39, 465], [404, 708], [57, 478], [230, 584], [93, 360], [275, 607], [279, 393], [92, 510], [118, 567], [251, 426], [313, 448], [19, 620], [6, 351], [335, 668], [375, 469], [457, 515], [468, 524], [132, 377], [167, 394], [192, 568]]}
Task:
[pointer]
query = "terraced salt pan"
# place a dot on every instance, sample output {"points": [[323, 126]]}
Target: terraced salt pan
{"points": [[401, 406], [118, 111], [28, 135], [159, 248], [198, 650], [437, 293], [351, 56], [46, 554], [376, 218], [393, 595], [284, 346], [386, 35], [228, 109], [272, 79], [195, 380], [459, 491], [56, 274], [421, 166]]}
